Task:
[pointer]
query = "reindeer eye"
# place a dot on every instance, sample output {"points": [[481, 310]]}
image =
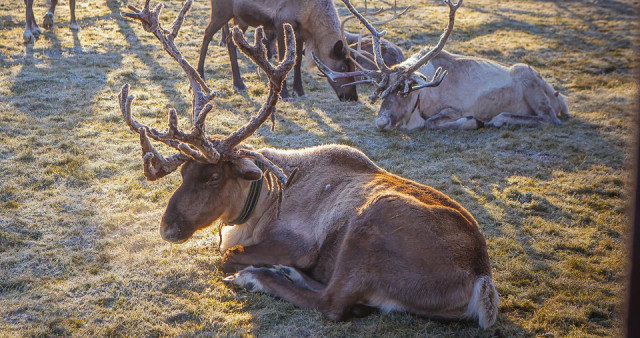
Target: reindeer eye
{"points": [[214, 178], [343, 68]]}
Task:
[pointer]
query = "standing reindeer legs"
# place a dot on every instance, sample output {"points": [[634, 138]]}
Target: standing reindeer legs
{"points": [[32, 31], [404, 77], [196, 145]]}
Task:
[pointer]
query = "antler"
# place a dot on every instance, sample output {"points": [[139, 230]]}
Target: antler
{"points": [[202, 94], [403, 77], [195, 144], [358, 52]]}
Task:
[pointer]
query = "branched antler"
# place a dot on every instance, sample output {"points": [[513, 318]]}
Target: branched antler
{"points": [[358, 52], [195, 144], [403, 77], [202, 94]]}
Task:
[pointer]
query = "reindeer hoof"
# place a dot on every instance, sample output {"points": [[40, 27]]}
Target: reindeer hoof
{"points": [[74, 27], [289, 273], [240, 89], [28, 37], [36, 31], [246, 279], [47, 21]]}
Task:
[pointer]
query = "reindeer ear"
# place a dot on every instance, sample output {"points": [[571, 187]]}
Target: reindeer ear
{"points": [[338, 51], [247, 169]]}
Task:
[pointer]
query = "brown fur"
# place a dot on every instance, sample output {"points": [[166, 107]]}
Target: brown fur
{"points": [[349, 235]]}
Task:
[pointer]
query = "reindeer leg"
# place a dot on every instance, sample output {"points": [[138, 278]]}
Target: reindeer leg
{"points": [[444, 117], [73, 25], [281, 50], [273, 251], [516, 119], [297, 71], [463, 123], [334, 301], [28, 35], [47, 21], [216, 21], [537, 99], [224, 36], [238, 84]]}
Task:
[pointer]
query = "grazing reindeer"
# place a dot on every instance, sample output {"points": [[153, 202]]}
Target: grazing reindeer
{"points": [[315, 23], [475, 91], [31, 29], [330, 229]]}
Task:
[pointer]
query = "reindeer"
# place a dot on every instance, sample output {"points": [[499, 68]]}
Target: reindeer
{"points": [[315, 23], [323, 227], [31, 29], [475, 93]]}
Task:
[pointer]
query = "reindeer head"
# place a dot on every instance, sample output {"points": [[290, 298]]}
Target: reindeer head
{"points": [[339, 61], [401, 79], [215, 170]]}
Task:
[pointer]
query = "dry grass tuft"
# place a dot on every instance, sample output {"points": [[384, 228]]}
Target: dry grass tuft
{"points": [[79, 249]]}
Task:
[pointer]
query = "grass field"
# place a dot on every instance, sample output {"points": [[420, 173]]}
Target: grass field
{"points": [[80, 252]]}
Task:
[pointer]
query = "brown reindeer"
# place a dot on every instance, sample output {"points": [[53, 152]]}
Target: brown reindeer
{"points": [[324, 227], [315, 22], [31, 29]]}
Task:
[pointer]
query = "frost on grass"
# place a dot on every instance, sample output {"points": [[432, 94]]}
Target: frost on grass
{"points": [[79, 246]]}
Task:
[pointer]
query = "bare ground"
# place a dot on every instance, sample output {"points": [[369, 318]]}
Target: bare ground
{"points": [[80, 252]]}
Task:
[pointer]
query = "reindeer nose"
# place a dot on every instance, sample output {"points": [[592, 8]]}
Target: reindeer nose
{"points": [[348, 97], [382, 122], [170, 231], [171, 234]]}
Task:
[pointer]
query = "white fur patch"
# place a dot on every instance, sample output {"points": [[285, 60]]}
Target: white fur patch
{"points": [[484, 302], [384, 303]]}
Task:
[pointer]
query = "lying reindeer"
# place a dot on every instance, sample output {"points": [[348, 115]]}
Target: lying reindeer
{"points": [[475, 92], [31, 29], [324, 227], [315, 22]]}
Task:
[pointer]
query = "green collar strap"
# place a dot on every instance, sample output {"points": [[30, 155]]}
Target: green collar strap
{"points": [[252, 199]]}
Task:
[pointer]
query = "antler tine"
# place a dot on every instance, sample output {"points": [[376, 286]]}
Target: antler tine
{"points": [[257, 52], [375, 35], [425, 83], [202, 94], [195, 144], [333, 75], [395, 15], [155, 165], [417, 60]]}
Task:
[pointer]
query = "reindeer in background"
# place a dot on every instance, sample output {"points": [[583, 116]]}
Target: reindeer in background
{"points": [[324, 227], [32, 31], [315, 22], [475, 92]]}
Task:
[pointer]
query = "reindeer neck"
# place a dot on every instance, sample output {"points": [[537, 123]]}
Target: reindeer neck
{"points": [[260, 203], [323, 28]]}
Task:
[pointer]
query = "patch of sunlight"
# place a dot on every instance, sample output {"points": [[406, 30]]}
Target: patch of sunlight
{"points": [[506, 40]]}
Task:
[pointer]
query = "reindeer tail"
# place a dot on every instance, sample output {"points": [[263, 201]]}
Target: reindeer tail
{"points": [[484, 302]]}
